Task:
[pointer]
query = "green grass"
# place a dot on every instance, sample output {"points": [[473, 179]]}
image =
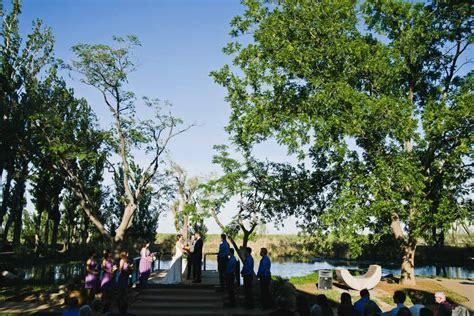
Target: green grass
{"points": [[24, 291], [309, 278]]}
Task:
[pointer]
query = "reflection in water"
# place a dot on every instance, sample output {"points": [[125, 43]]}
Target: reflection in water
{"points": [[281, 267]]}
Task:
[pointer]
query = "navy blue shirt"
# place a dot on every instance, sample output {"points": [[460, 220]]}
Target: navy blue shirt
{"points": [[230, 268], [247, 269], [224, 249], [264, 267]]}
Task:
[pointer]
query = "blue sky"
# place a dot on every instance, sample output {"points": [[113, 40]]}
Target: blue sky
{"points": [[181, 43]]}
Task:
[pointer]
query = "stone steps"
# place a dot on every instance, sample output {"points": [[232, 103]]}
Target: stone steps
{"points": [[188, 299]]}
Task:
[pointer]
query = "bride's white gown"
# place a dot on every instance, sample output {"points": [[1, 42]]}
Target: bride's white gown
{"points": [[174, 274]]}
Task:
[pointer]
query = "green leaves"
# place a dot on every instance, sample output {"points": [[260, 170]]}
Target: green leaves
{"points": [[373, 92]]}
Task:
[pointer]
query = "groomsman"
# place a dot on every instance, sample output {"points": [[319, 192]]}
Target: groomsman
{"points": [[222, 259], [190, 258], [197, 258], [247, 274], [229, 274], [264, 275]]}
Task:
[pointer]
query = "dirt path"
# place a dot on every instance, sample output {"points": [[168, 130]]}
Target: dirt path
{"points": [[462, 287]]}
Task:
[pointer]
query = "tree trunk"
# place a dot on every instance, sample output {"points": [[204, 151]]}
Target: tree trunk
{"points": [[8, 225], [38, 229], [46, 232], [186, 227], [408, 264], [408, 247], [19, 202], [126, 221], [5, 197], [54, 234]]}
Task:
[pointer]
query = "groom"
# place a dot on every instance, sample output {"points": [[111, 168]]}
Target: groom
{"points": [[197, 258]]}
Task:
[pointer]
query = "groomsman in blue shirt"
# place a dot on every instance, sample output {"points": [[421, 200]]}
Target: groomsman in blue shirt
{"points": [[247, 274], [222, 259], [229, 274], [265, 275]]}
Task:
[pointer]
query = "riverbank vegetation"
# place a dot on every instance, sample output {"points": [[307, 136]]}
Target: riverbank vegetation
{"points": [[300, 248]]}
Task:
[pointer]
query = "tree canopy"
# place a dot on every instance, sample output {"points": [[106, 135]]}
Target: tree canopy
{"points": [[380, 92]]}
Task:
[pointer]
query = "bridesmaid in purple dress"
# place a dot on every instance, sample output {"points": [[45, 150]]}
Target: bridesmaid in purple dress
{"points": [[107, 281], [124, 269], [90, 283], [144, 269]]}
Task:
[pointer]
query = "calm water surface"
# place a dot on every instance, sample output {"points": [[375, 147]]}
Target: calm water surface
{"points": [[283, 267]]}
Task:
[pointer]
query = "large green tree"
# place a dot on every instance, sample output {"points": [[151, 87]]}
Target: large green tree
{"points": [[380, 95], [107, 68], [21, 63]]}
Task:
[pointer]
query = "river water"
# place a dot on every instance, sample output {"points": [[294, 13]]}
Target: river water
{"points": [[283, 267]]}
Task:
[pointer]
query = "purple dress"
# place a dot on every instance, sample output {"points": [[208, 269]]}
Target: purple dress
{"points": [[123, 276], [144, 268], [107, 276], [91, 278], [145, 264]]}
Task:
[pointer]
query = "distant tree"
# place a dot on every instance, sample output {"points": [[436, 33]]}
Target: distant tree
{"points": [[377, 93], [185, 208]]}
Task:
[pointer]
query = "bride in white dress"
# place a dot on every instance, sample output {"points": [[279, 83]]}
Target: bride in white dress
{"points": [[175, 272]]}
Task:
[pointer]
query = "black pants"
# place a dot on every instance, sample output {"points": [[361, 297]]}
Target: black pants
{"points": [[229, 280], [221, 265], [197, 268], [265, 291], [248, 290], [189, 266]]}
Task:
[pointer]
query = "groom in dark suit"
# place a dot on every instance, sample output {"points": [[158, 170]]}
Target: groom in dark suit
{"points": [[197, 258]]}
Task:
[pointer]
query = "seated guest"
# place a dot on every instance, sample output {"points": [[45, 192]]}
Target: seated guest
{"points": [[72, 308], [403, 311], [284, 309], [399, 298], [417, 306], [365, 304], [444, 308], [322, 306], [85, 310], [302, 307], [426, 312], [346, 308], [97, 307]]}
